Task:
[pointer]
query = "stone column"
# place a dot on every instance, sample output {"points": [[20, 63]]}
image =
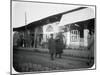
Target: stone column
{"points": [[86, 31], [68, 38]]}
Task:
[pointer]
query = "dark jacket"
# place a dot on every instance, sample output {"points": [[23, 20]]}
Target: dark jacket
{"points": [[59, 46], [51, 45]]}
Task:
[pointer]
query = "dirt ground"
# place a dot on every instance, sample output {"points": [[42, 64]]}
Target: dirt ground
{"points": [[31, 61]]}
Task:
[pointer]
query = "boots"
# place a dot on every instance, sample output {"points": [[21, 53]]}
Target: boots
{"points": [[60, 55], [52, 56]]}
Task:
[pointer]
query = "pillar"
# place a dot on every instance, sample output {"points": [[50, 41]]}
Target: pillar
{"points": [[86, 32], [35, 37]]}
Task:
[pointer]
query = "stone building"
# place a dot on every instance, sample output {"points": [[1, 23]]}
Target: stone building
{"points": [[76, 26]]}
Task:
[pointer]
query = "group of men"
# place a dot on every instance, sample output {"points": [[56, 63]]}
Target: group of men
{"points": [[55, 47]]}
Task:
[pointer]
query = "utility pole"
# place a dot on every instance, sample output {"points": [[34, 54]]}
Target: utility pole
{"points": [[25, 21], [26, 30]]}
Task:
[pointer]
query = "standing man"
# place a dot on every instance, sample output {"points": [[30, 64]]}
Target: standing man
{"points": [[59, 45], [51, 47]]}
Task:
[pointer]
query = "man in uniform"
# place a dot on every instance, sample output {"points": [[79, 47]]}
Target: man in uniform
{"points": [[51, 47]]}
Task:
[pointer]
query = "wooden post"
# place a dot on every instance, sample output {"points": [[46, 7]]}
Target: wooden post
{"points": [[35, 37]]}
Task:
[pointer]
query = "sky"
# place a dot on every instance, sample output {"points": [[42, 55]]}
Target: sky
{"points": [[35, 11]]}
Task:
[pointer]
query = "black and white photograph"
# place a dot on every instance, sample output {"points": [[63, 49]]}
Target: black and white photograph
{"points": [[52, 37]]}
